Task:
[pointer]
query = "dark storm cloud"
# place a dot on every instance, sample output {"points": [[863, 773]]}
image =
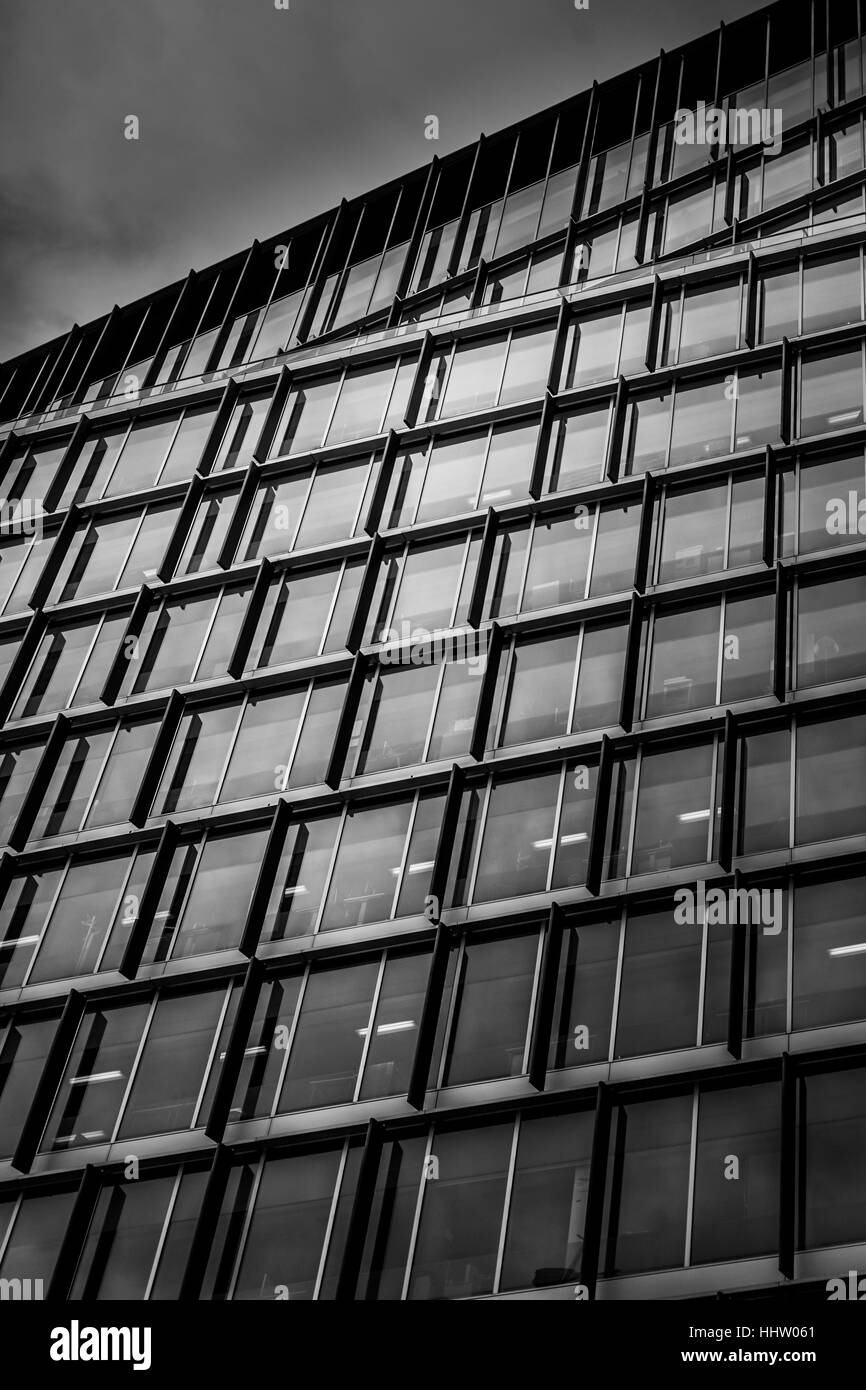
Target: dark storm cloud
{"points": [[253, 119]]}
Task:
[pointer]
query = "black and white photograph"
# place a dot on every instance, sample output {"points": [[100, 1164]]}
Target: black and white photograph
{"points": [[432, 679]]}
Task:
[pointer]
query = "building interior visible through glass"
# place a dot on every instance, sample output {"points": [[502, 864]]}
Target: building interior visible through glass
{"points": [[450, 605]]}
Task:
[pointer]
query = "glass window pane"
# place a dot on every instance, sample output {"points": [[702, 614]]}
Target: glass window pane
{"points": [[833, 1209], [367, 867], [547, 1212], [831, 293], [829, 952], [558, 562], [703, 415], [329, 1041], [288, 1227], [693, 532], [831, 775], [23, 1052], [831, 644], [488, 1038], [538, 701], [216, 909], [87, 1104], [196, 760], [645, 1224], [518, 837], [578, 448], [361, 404], [461, 1215], [765, 792], [674, 801], [831, 392], [737, 1216], [584, 994], [474, 380], [683, 661], [82, 919]]}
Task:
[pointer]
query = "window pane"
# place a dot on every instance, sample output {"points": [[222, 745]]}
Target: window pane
{"points": [[831, 775], [646, 1218], [22, 1058], [578, 448], [307, 412], [367, 867], [548, 1201], [683, 661], [831, 502], [196, 760], [831, 293], [693, 533], [288, 1228], [474, 380], [834, 1210], [831, 645], [703, 415], [739, 1216], [747, 648], [558, 562], [215, 911], [831, 392], [328, 1044], [584, 994], [674, 800], [829, 952], [494, 994], [86, 1107], [539, 694], [517, 837], [461, 1216], [710, 324], [765, 792], [361, 404], [82, 919], [395, 1028]]}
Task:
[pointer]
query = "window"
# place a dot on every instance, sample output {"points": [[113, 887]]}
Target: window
{"points": [[832, 293], [70, 666], [207, 535], [494, 993], [832, 1210], [778, 305], [578, 448], [305, 613], [645, 1215], [518, 837], [829, 953], [129, 1253], [674, 809], [710, 321], [831, 762], [114, 552], [32, 1228], [166, 1078], [764, 791], [831, 392], [734, 1219], [24, 1045], [283, 740], [544, 1237], [830, 642], [461, 1215], [584, 993], [204, 902], [242, 432]]}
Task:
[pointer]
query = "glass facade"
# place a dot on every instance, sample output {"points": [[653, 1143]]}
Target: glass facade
{"points": [[441, 690]]}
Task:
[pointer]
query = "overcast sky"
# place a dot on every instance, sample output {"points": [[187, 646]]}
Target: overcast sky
{"points": [[253, 118]]}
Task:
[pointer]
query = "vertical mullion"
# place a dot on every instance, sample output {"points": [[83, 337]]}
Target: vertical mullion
{"points": [[690, 1199], [371, 1020], [506, 1202]]}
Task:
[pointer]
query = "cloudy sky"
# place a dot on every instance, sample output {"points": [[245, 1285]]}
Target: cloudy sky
{"points": [[253, 118]]}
